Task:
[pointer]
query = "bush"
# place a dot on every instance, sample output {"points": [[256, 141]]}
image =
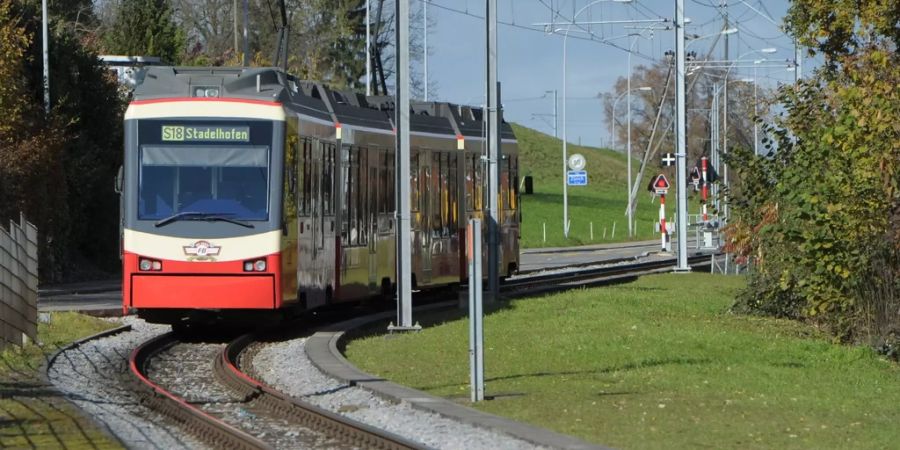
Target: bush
{"points": [[817, 209]]}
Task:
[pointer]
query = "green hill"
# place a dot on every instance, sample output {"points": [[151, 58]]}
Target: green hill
{"points": [[602, 202]]}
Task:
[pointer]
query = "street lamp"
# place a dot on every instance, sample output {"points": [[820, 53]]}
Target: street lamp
{"points": [[564, 128]]}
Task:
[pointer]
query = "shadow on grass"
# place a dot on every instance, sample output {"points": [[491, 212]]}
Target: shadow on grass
{"points": [[644, 364]]}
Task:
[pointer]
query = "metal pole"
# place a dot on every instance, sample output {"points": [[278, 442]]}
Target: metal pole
{"points": [[493, 104], [404, 248], [234, 19], [798, 63], [755, 113], [725, 118], [246, 35], [368, 51], [425, 44], [565, 141], [628, 145], [46, 51], [476, 314], [680, 138]]}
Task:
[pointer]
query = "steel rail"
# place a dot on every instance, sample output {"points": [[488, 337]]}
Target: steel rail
{"points": [[195, 421], [352, 432], [591, 277]]}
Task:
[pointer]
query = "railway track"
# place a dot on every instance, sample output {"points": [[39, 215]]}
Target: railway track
{"points": [[537, 283], [202, 388], [234, 410]]}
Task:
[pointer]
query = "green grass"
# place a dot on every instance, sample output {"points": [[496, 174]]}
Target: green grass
{"points": [[658, 363], [31, 414], [602, 201]]}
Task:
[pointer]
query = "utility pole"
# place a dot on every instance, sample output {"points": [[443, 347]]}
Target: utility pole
{"points": [[401, 112], [425, 43], [680, 139], [234, 18], [246, 36], [46, 52], [630, 216], [493, 138], [368, 52], [725, 118]]}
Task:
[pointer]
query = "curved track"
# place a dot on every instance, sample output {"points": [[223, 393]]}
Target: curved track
{"points": [[240, 412]]}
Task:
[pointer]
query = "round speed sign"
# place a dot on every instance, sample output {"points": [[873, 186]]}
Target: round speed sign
{"points": [[577, 161]]}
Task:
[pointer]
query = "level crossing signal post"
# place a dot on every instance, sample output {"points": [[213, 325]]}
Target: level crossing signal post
{"points": [[660, 186]]}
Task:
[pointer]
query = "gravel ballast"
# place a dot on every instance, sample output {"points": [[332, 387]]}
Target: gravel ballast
{"points": [[285, 367], [95, 376]]}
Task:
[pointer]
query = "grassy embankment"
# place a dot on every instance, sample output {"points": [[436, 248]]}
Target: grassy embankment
{"points": [[33, 416], [658, 363], [602, 201]]}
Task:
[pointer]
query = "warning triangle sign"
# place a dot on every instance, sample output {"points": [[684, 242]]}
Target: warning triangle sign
{"points": [[659, 185]]}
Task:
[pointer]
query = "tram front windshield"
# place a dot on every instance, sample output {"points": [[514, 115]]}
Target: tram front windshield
{"points": [[227, 181]]}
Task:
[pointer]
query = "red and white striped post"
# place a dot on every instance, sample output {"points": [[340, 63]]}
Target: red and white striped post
{"points": [[662, 220], [704, 189]]}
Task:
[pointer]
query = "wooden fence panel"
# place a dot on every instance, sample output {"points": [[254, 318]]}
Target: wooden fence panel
{"points": [[18, 283]]}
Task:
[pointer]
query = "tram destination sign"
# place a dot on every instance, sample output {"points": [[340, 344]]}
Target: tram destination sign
{"points": [[205, 133]]}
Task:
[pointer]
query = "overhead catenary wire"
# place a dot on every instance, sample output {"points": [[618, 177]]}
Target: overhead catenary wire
{"points": [[523, 27]]}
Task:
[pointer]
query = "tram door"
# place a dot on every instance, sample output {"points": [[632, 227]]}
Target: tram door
{"points": [[426, 212]]}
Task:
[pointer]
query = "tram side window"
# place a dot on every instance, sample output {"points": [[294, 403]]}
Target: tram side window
{"points": [[328, 179], [513, 182], [362, 191], [436, 195], [478, 168], [414, 193], [347, 209], [453, 195], [291, 164], [469, 171], [389, 183], [301, 179], [504, 184]]}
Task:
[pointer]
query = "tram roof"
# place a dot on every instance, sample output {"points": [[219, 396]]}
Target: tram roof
{"points": [[306, 97]]}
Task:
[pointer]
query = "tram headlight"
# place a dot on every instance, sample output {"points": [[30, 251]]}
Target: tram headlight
{"points": [[149, 264], [258, 265]]}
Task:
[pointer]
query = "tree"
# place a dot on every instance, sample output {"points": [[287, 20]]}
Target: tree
{"points": [[819, 213], [208, 27], [147, 28], [57, 167]]}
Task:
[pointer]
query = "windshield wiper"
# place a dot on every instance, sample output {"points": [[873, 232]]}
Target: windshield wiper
{"points": [[193, 215]]}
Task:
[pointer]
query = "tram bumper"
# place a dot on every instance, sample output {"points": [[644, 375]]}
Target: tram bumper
{"points": [[203, 291]]}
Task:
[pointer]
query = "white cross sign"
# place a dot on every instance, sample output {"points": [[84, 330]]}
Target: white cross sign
{"points": [[668, 159]]}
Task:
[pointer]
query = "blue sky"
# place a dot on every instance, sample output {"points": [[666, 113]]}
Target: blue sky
{"points": [[531, 60]]}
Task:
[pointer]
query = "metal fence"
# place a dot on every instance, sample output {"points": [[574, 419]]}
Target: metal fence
{"points": [[18, 283]]}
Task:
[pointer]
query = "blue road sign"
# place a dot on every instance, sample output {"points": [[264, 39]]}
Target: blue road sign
{"points": [[577, 178]]}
